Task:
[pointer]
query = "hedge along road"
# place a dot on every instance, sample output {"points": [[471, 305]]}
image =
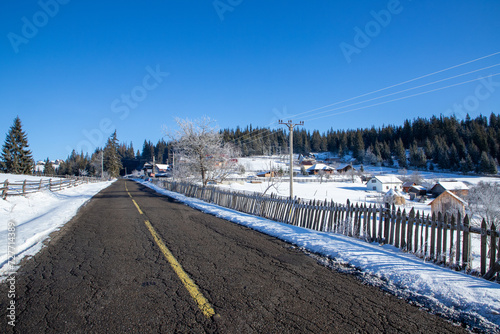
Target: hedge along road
{"points": [[134, 261]]}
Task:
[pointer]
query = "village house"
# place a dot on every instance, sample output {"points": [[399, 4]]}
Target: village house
{"points": [[317, 168], [448, 202], [384, 183], [457, 187], [418, 190], [407, 185], [267, 174], [345, 169], [161, 168]]}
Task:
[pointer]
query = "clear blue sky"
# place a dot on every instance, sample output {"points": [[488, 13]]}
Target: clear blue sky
{"points": [[76, 71]]}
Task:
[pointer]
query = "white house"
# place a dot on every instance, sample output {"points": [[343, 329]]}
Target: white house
{"points": [[384, 183]]}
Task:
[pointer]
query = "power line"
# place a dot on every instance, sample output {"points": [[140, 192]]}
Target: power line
{"points": [[399, 84], [404, 97], [253, 137], [408, 89]]}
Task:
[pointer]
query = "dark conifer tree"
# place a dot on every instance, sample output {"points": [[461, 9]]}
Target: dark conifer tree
{"points": [[400, 153], [358, 149], [49, 168], [112, 161], [16, 156]]}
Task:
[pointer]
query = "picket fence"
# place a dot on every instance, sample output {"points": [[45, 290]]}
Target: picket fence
{"points": [[26, 186], [444, 239]]}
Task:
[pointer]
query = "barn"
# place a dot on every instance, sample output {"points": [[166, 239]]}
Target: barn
{"points": [[448, 202]]}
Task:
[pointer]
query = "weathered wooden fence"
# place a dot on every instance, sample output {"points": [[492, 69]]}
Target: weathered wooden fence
{"points": [[444, 239], [26, 187]]}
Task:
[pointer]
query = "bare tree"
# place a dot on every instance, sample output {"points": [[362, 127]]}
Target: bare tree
{"points": [[322, 175], [200, 150], [275, 180], [484, 202]]}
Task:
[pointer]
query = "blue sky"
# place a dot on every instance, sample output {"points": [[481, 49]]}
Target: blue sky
{"points": [[74, 71]]}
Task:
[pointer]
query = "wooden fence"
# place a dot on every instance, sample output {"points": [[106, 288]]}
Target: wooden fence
{"points": [[444, 239], [26, 187]]}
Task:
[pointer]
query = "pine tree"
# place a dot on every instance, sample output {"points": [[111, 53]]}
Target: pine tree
{"points": [[466, 165], [400, 153], [417, 156], [358, 146], [487, 164], [112, 161], [49, 168], [16, 157]]}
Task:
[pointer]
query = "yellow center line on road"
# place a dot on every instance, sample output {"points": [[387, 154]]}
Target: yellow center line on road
{"points": [[189, 284]]}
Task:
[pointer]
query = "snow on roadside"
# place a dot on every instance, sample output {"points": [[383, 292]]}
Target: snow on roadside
{"points": [[35, 216], [460, 297]]}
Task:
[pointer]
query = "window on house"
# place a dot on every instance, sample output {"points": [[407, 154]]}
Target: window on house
{"points": [[374, 181], [374, 188]]}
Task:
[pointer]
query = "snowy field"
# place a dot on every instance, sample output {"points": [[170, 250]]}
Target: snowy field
{"points": [[458, 296], [352, 189], [35, 216]]}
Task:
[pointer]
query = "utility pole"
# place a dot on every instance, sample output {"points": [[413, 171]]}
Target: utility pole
{"points": [[290, 126]]}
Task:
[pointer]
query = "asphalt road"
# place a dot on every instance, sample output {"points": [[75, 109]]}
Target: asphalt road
{"points": [[108, 271]]}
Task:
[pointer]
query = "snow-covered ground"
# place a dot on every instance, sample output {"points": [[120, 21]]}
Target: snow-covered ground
{"points": [[458, 296], [352, 189], [33, 217]]}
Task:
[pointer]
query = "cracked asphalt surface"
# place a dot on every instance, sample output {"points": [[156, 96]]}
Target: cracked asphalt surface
{"points": [[104, 273]]}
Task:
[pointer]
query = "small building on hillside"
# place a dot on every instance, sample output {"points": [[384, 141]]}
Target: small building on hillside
{"points": [[267, 174], [345, 169], [457, 187], [384, 183], [307, 163], [448, 202], [162, 168], [407, 185], [418, 190], [317, 168]]}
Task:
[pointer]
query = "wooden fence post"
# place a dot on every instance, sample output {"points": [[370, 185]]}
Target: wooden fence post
{"points": [[484, 252], [493, 245], [445, 238], [459, 241], [394, 238], [5, 189], [387, 218], [439, 240], [466, 244]]}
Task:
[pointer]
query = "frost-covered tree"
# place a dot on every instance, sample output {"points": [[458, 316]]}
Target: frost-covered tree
{"points": [[484, 202], [16, 156], [200, 151]]}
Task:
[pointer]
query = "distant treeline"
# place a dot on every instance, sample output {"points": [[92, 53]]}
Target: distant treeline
{"points": [[469, 145]]}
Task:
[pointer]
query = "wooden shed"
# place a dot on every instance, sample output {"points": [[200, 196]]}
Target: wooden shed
{"points": [[448, 202]]}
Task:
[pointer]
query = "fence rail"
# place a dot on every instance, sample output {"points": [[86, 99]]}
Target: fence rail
{"points": [[25, 187], [444, 239]]}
